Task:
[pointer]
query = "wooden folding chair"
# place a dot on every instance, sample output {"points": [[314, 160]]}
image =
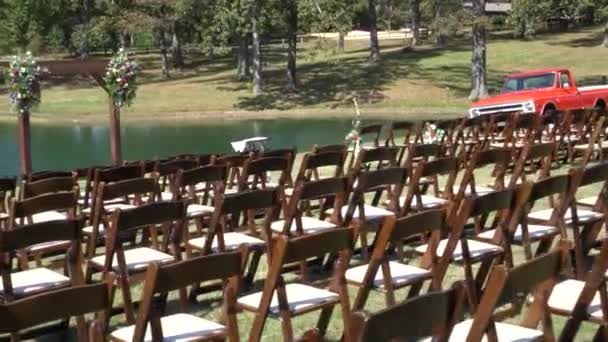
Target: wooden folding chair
{"points": [[46, 174], [534, 161], [544, 225], [584, 300], [329, 148], [331, 164], [233, 226], [464, 251], [287, 153], [409, 130], [498, 157], [167, 172], [122, 267], [262, 173], [597, 145], [43, 208], [8, 189], [198, 186], [47, 186], [506, 292], [388, 275], [331, 192], [235, 164], [109, 197], [285, 301], [364, 213], [370, 135], [415, 198], [154, 325], [111, 175], [373, 159], [21, 317], [29, 281], [430, 315]]}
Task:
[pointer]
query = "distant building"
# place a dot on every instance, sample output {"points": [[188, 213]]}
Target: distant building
{"points": [[493, 7]]}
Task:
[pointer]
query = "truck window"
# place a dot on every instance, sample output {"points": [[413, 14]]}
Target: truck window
{"points": [[564, 80], [529, 82]]}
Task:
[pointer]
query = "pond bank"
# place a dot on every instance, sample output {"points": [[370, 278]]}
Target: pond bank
{"points": [[219, 116]]}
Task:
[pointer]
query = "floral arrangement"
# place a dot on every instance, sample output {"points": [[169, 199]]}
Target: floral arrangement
{"points": [[354, 135], [432, 133], [121, 79], [23, 82]]}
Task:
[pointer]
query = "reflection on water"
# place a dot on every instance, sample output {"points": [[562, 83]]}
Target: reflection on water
{"points": [[71, 146]]}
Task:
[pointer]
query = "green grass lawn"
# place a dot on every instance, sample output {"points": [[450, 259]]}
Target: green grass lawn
{"points": [[427, 79]]}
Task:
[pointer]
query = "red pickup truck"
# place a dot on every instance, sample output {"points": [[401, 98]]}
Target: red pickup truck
{"points": [[541, 91]]}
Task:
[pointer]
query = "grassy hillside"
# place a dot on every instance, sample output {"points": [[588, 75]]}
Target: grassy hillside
{"points": [[427, 79]]}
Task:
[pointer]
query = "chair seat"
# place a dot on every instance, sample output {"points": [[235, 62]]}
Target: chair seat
{"points": [[48, 216], [588, 201], [36, 280], [51, 245], [111, 207], [310, 225], [565, 295], [3, 216], [136, 259], [476, 249], [401, 274], [504, 331], [584, 216], [232, 240], [199, 210], [363, 146], [517, 144], [371, 213], [300, 297], [479, 189], [164, 196], [604, 145], [176, 328], [288, 192], [88, 230], [535, 232], [108, 202], [428, 202]]}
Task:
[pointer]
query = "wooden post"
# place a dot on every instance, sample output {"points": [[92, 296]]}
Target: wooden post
{"points": [[115, 145], [25, 151]]}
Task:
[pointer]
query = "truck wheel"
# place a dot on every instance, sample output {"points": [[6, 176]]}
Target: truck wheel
{"points": [[600, 107], [549, 109]]}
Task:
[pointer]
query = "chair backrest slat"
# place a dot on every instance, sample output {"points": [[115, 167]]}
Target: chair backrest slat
{"points": [[32, 234], [313, 245]]}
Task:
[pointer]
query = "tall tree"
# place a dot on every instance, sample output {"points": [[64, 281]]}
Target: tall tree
{"points": [[291, 7], [257, 46], [373, 31], [479, 81], [415, 21]]}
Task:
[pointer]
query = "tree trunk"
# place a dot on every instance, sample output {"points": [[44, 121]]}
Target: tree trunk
{"points": [[605, 43], [176, 48], [257, 52], [85, 18], [163, 53], [25, 150], [373, 32], [341, 42], [478, 70], [415, 21], [292, 43], [243, 58], [438, 12], [115, 142]]}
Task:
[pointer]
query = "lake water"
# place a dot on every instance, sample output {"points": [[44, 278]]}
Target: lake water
{"points": [[69, 146]]}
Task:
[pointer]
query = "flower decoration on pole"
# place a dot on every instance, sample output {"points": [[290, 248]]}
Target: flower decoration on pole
{"points": [[354, 135], [433, 133], [23, 82], [121, 79]]}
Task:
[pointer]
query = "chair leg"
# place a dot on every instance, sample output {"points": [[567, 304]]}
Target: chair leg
{"points": [[127, 300], [324, 318], [253, 266]]}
